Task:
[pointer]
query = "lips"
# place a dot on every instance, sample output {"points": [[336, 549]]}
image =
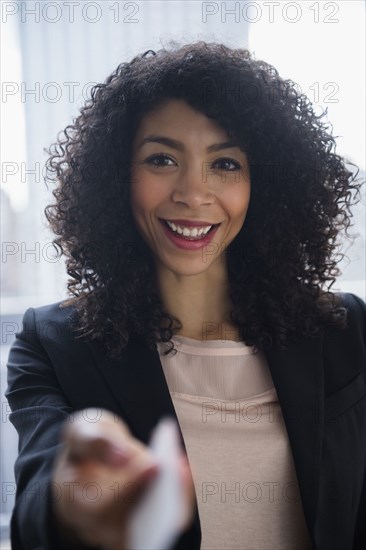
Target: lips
{"points": [[189, 231], [188, 243]]}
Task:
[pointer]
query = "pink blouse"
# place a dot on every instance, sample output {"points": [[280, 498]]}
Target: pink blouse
{"points": [[237, 445]]}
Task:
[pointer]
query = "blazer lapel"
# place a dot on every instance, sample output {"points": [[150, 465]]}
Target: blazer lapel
{"points": [[138, 384], [297, 373]]}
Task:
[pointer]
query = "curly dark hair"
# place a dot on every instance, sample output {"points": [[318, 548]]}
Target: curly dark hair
{"points": [[301, 193]]}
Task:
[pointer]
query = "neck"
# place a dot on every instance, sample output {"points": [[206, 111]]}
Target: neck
{"points": [[201, 302]]}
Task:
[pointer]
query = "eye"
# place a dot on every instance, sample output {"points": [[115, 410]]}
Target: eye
{"points": [[224, 164], [159, 160]]}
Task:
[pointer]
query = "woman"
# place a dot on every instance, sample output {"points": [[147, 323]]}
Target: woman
{"points": [[198, 203]]}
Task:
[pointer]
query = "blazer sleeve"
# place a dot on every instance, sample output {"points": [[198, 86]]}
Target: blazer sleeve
{"points": [[38, 411]]}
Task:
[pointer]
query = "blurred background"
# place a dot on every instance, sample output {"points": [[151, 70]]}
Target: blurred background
{"points": [[52, 53]]}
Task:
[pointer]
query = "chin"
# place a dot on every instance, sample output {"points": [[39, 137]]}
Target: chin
{"points": [[188, 268]]}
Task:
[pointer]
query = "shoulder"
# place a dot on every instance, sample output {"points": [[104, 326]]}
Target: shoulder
{"points": [[48, 345], [344, 350], [49, 322], [58, 312], [356, 318], [355, 304]]}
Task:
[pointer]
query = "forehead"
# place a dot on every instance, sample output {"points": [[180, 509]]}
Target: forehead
{"points": [[177, 117]]}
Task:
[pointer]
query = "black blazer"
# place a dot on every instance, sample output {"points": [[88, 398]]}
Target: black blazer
{"points": [[321, 386]]}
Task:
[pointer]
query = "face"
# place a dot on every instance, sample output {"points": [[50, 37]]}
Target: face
{"points": [[190, 187]]}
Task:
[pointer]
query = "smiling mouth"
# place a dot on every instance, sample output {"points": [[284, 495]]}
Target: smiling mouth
{"points": [[191, 233]]}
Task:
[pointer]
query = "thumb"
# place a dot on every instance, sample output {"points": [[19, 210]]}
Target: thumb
{"points": [[99, 449], [85, 443]]}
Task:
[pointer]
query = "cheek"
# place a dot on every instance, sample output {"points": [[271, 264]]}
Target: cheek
{"points": [[142, 195], [148, 192], [237, 203]]}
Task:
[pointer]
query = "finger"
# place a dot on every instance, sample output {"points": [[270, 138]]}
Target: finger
{"points": [[105, 440], [127, 496], [97, 440], [139, 483], [87, 446]]}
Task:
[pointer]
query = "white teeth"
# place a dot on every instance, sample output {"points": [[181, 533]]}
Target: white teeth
{"points": [[186, 232]]}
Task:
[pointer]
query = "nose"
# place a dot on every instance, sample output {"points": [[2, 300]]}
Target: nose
{"points": [[192, 187]]}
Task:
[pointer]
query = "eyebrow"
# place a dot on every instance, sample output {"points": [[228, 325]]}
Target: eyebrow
{"points": [[174, 144]]}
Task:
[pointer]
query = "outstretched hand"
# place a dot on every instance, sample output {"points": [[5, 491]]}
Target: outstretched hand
{"points": [[101, 474]]}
